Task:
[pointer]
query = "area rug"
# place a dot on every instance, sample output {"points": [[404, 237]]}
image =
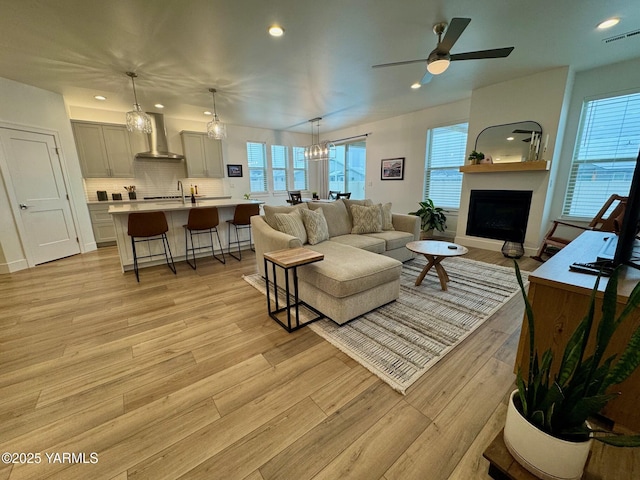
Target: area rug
{"points": [[400, 341]]}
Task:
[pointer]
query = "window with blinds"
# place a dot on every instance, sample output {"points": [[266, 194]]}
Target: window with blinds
{"points": [[605, 154], [279, 164], [445, 154], [257, 161], [300, 175]]}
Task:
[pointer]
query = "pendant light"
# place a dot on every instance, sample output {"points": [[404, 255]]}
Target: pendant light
{"points": [[318, 150], [137, 120], [215, 128]]}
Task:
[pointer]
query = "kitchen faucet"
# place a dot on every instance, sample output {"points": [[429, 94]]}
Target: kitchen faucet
{"points": [[180, 188]]}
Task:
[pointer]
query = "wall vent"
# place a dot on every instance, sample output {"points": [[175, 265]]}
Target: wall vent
{"points": [[622, 36]]}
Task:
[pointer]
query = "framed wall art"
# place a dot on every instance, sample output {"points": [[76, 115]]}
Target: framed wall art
{"points": [[392, 169], [234, 170]]}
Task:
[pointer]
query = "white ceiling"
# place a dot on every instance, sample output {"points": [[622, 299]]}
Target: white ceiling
{"points": [[320, 67]]}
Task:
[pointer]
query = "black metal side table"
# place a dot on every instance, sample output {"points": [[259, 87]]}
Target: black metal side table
{"points": [[289, 259]]}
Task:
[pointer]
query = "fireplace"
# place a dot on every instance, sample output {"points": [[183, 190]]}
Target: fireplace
{"points": [[499, 214]]}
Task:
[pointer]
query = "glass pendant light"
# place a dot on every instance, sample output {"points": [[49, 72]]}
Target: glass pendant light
{"points": [[318, 150], [137, 120], [215, 128]]}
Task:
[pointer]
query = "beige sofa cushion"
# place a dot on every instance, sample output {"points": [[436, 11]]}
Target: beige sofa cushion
{"points": [[365, 242], [366, 219], [347, 270], [291, 224], [393, 238], [387, 216], [271, 210], [336, 215], [316, 225]]}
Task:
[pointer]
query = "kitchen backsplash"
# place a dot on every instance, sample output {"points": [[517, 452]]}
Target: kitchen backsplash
{"points": [[154, 178]]}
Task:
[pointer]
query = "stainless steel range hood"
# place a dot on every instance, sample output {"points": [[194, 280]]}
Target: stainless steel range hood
{"points": [[159, 148]]}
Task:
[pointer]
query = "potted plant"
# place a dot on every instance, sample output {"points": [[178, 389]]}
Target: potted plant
{"points": [[475, 157], [315, 196], [432, 218], [546, 428]]}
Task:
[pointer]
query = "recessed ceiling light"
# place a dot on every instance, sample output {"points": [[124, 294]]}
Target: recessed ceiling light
{"points": [[610, 22], [159, 105], [510, 138], [207, 112], [415, 86], [100, 97], [276, 31]]}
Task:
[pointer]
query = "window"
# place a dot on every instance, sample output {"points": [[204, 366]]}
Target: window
{"points": [[279, 164], [257, 160], [445, 154], [347, 170], [605, 153], [280, 171], [300, 175]]}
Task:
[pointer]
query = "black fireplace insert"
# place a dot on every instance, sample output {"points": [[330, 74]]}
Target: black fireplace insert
{"points": [[499, 214]]}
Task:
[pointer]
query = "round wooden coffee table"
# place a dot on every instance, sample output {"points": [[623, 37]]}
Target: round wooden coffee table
{"points": [[436, 251]]}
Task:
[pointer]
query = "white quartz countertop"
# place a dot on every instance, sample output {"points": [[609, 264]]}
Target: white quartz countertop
{"points": [[149, 206], [125, 200]]}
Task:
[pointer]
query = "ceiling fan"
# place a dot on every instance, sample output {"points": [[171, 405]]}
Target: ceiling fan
{"points": [[439, 58]]}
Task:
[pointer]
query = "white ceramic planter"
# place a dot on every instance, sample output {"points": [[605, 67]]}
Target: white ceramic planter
{"points": [[547, 457]]}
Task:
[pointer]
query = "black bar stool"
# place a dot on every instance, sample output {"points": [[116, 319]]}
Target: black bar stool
{"points": [[147, 226], [202, 221], [242, 220]]}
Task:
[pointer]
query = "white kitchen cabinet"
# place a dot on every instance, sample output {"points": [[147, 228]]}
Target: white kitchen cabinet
{"points": [[105, 150], [203, 155], [103, 230]]}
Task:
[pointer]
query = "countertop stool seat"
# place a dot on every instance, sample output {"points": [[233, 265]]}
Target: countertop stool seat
{"points": [[241, 221], [202, 221], [146, 227]]}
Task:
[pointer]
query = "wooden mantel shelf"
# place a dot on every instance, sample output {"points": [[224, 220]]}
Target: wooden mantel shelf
{"points": [[538, 165]]}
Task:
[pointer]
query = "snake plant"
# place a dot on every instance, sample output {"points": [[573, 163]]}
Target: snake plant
{"points": [[561, 404]]}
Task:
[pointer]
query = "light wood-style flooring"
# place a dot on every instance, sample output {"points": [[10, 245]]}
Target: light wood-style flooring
{"points": [[187, 377]]}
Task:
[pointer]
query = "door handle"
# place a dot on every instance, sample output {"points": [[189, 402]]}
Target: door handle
{"points": [[23, 206]]}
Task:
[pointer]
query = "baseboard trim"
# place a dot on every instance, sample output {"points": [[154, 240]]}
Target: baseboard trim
{"points": [[11, 267]]}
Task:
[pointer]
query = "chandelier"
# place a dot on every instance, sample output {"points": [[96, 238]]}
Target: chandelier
{"points": [[318, 150], [137, 120], [215, 128]]}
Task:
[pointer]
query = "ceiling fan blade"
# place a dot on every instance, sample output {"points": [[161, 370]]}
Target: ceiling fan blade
{"points": [[453, 32], [393, 64], [480, 54], [426, 78]]}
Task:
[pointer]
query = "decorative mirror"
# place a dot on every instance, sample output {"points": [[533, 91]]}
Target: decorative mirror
{"points": [[511, 142]]}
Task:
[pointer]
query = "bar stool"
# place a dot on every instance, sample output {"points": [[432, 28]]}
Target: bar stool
{"points": [[202, 221], [242, 220], [147, 226]]}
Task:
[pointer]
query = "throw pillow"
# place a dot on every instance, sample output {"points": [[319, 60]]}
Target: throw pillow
{"points": [[336, 215], [291, 224], [387, 218], [271, 210], [348, 202], [316, 225], [366, 219]]}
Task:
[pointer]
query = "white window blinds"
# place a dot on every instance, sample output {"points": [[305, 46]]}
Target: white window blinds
{"points": [[257, 161], [445, 154], [279, 164], [605, 154], [300, 175]]}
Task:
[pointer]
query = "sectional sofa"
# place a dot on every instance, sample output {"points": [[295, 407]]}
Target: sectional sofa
{"points": [[363, 246]]}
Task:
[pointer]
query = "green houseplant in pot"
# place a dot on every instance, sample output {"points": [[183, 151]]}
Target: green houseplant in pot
{"points": [[431, 218], [475, 157], [546, 429]]}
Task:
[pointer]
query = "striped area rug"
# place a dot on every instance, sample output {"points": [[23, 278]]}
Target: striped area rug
{"points": [[400, 341]]}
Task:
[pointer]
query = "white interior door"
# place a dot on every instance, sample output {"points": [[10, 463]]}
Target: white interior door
{"points": [[47, 229]]}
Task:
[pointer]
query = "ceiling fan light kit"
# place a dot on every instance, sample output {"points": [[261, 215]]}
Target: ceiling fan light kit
{"points": [[136, 119], [440, 57]]}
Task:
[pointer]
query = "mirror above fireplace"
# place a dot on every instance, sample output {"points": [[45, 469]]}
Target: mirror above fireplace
{"points": [[511, 142]]}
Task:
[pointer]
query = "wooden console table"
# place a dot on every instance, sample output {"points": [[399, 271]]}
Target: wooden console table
{"points": [[559, 298]]}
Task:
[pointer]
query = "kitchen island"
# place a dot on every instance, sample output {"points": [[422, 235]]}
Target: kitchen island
{"points": [[177, 214]]}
